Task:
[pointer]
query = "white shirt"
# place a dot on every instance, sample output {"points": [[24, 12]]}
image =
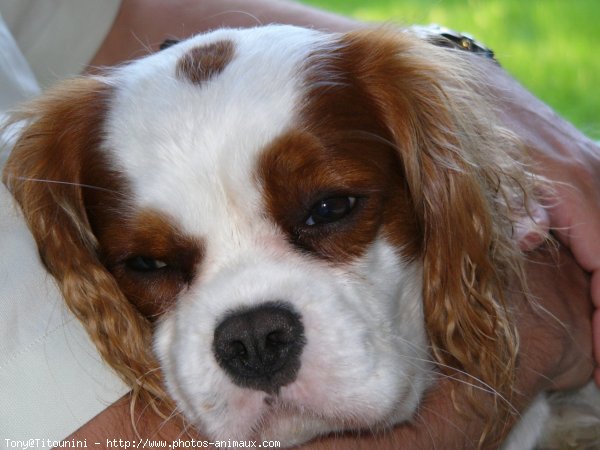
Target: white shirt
{"points": [[52, 380]]}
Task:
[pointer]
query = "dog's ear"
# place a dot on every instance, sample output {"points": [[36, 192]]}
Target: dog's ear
{"points": [[48, 173], [462, 181], [168, 43]]}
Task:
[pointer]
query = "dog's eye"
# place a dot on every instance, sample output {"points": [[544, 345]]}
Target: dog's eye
{"points": [[144, 264], [330, 210]]}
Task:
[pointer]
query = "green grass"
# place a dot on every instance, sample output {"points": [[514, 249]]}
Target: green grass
{"points": [[551, 46]]}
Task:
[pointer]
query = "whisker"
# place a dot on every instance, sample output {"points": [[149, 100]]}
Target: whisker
{"points": [[237, 11], [476, 383], [145, 46], [68, 183]]}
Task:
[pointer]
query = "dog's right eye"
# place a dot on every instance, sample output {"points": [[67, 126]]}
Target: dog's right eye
{"points": [[330, 209], [144, 264]]}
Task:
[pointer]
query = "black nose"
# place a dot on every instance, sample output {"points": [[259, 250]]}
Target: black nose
{"points": [[260, 347]]}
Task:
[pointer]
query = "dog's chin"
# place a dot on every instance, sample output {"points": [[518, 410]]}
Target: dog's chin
{"points": [[276, 418], [298, 412], [291, 425], [261, 417]]}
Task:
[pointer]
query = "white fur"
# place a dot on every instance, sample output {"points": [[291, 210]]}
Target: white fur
{"points": [[190, 151]]}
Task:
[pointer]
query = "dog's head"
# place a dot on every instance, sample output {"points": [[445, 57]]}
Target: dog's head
{"points": [[302, 224]]}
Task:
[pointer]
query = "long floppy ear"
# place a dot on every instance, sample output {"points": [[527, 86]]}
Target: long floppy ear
{"points": [[48, 172], [463, 179]]}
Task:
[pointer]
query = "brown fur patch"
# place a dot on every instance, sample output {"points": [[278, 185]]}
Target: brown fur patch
{"points": [[202, 63], [122, 234], [79, 206], [151, 235], [341, 148]]}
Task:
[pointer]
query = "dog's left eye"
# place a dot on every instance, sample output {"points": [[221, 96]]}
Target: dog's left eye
{"points": [[330, 210], [145, 264]]}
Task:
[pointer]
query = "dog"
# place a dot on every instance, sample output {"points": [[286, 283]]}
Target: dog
{"points": [[302, 229]]}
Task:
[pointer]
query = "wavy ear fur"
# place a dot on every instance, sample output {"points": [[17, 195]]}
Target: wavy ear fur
{"points": [[48, 172], [466, 185]]}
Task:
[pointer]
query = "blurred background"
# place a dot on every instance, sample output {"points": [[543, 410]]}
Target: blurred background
{"points": [[551, 46]]}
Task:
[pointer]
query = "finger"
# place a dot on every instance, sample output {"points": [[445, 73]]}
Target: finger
{"points": [[596, 337], [532, 228], [576, 222], [596, 288]]}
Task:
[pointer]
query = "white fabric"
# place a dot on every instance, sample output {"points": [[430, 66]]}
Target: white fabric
{"points": [[17, 82], [58, 37], [16, 78], [51, 378]]}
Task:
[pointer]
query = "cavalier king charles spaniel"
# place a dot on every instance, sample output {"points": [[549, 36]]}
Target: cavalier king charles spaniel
{"points": [[281, 232]]}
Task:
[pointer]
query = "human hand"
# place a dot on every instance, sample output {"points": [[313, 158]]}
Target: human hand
{"points": [[571, 161], [555, 328], [575, 212]]}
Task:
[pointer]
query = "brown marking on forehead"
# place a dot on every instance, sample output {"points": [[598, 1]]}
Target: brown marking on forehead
{"points": [[341, 147], [202, 63]]}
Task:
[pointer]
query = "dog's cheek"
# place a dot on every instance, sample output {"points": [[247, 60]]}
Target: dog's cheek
{"points": [[202, 391], [182, 355], [165, 350], [182, 343]]}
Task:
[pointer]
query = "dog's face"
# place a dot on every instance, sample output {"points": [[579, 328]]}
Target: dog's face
{"points": [[268, 204], [294, 307]]}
